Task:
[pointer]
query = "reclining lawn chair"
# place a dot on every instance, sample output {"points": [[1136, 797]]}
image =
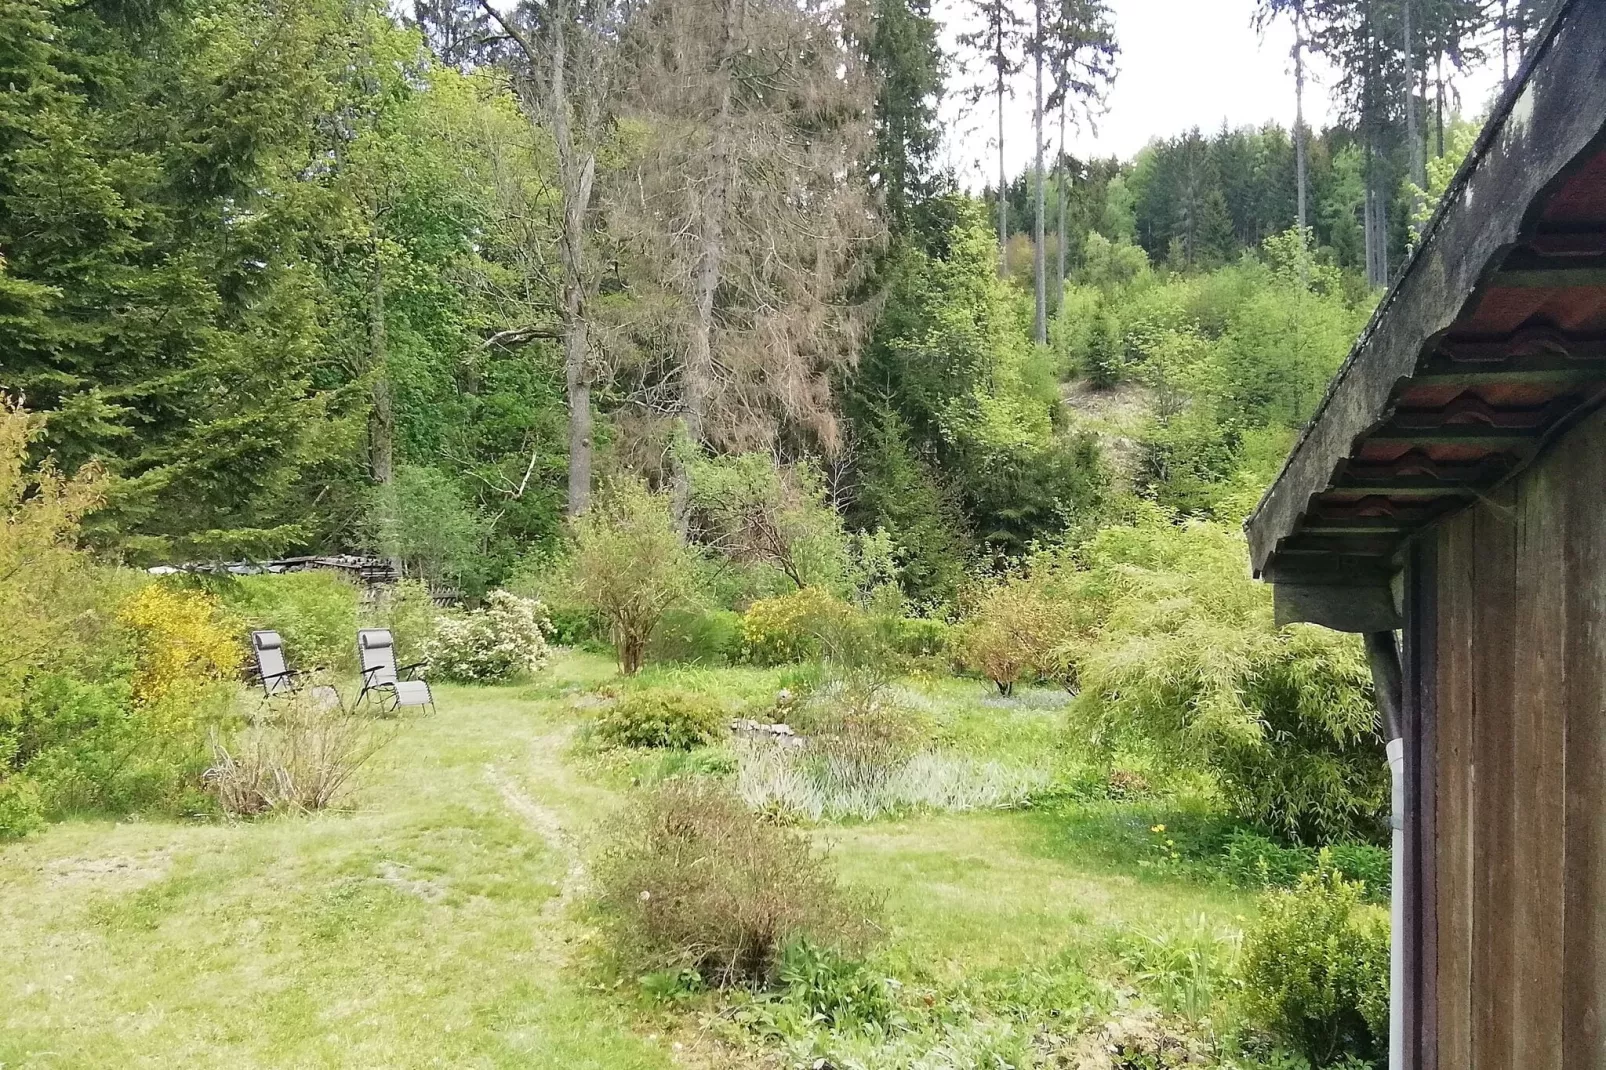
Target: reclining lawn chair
{"points": [[277, 678], [396, 687]]}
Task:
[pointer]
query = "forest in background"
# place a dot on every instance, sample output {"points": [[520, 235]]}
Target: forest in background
{"points": [[306, 276]]}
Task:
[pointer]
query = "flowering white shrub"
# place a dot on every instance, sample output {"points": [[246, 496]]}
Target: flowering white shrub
{"points": [[503, 639]]}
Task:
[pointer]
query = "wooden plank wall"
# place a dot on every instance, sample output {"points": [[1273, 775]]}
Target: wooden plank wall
{"points": [[1520, 785]]}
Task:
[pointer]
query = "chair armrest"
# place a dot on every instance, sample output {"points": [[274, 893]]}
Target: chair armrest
{"points": [[409, 670]]}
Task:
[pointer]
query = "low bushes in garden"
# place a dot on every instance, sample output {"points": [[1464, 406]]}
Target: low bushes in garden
{"points": [[107, 679], [1015, 632], [502, 640], [1315, 970], [314, 612], [1251, 860], [630, 565], [692, 879], [794, 626], [295, 756], [662, 717]]}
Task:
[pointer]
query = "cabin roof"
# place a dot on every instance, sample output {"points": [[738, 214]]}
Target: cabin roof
{"points": [[1490, 343]]}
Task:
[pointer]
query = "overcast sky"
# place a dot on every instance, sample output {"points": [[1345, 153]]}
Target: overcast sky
{"points": [[1183, 63]]}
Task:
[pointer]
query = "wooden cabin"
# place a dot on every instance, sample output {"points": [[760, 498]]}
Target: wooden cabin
{"points": [[1451, 490]]}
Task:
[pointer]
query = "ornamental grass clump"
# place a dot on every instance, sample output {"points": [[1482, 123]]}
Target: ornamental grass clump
{"points": [[693, 880], [296, 755], [502, 640]]}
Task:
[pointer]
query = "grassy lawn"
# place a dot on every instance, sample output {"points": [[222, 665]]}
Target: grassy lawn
{"points": [[433, 925]]}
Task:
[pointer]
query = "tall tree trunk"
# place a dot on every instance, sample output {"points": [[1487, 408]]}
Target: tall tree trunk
{"points": [[1064, 180], [1413, 128], [1003, 199], [1505, 42], [1439, 90], [1300, 176], [382, 414], [1039, 263], [576, 172], [698, 385]]}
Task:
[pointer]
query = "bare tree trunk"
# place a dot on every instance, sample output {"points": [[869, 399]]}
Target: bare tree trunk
{"points": [[698, 385], [1039, 264], [1413, 128], [1003, 200], [1505, 42], [382, 415], [1439, 89], [576, 171], [1300, 165], [1064, 178]]}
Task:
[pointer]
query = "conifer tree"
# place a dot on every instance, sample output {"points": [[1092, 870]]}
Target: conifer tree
{"points": [[996, 41]]}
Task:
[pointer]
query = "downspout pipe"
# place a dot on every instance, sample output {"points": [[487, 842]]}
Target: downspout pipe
{"points": [[1388, 682]]}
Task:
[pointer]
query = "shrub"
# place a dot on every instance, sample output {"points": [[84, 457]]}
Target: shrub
{"points": [[922, 637], [315, 612], [300, 756], [501, 640], [795, 626], [631, 566], [759, 512], [1187, 658], [694, 880], [1013, 632], [1315, 973], [183, 641], [707, 636], [1367, 864], [661, 717], [407, 609]]}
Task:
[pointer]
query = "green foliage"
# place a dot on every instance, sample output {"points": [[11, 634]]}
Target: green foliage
{"points": [[692, 879], [662, 717], [315, 612], [1183, 970], [630, 566], [407, 609], [249, 255], [422, 520], [1014, 632], [107, 681], [796, 626], [754, 511], [1185, 655], [1251, 860], [1315, 970], [838, 992], [951, 383], [504, 639], [701, 635]]}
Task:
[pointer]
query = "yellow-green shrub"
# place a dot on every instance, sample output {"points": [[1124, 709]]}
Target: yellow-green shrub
{"points": [[794, 626], [662, 717], [183, 642], [78, 643], [631, 565], [1315, 969]]}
